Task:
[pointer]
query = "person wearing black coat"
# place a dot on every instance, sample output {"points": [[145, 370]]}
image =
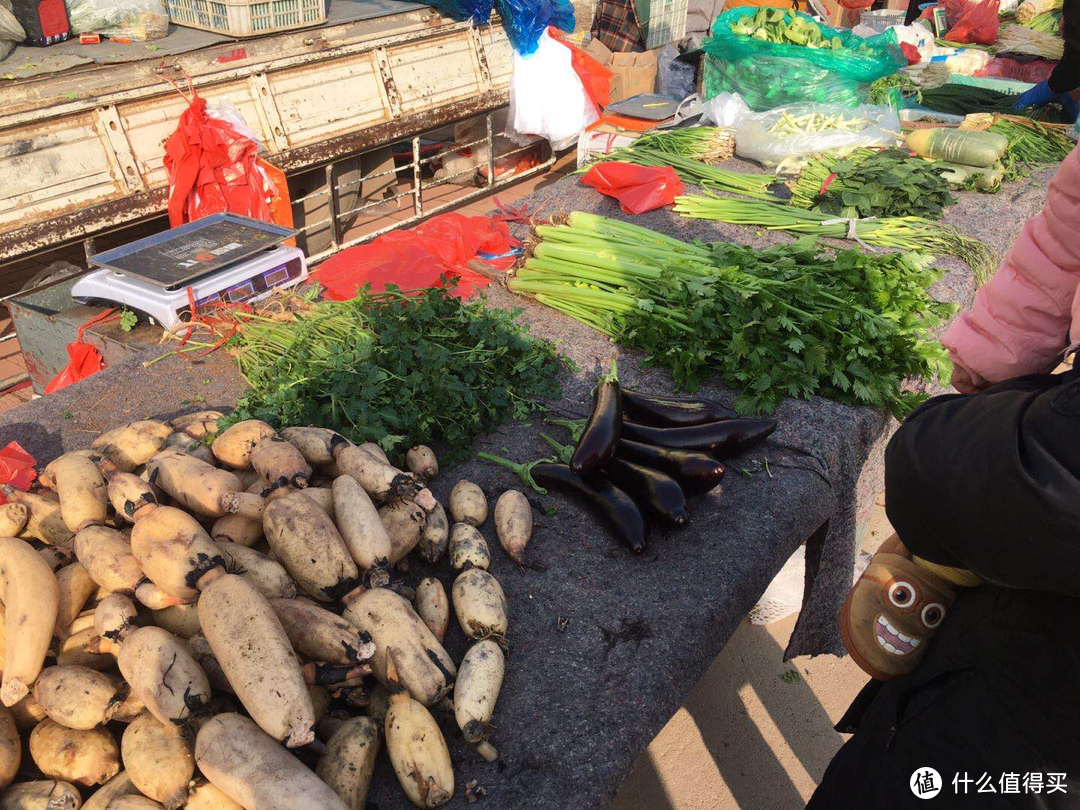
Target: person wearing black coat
{"points": [[990, 483]]}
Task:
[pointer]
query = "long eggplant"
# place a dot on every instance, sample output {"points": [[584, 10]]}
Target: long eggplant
{"points": [[597, 443], [672, 411], [720, 439], [696, 472], [657, 492], [617, 506]]}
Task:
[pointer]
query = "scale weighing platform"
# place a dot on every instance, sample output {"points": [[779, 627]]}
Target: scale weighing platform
{"points": [[222, 259]]}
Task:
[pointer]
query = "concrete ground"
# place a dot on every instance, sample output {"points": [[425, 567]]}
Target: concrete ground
{"points": [[755, 733]]}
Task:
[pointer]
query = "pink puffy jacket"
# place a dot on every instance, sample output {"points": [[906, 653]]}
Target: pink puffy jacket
{"points": [[1021, 319]]}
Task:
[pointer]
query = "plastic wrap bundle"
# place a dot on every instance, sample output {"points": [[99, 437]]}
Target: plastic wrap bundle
{"points": [[771, 74], [137, 20], [11, 32], [526, 20]]}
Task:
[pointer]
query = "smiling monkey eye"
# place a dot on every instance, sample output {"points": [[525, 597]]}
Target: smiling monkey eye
{"points": [[902, 594]]}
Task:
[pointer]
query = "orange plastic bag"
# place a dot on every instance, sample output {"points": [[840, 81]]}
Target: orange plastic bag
{"points": [[214, 167], [637, 188], [16, 468], [971, 21], [83, 359], [416, 258]]}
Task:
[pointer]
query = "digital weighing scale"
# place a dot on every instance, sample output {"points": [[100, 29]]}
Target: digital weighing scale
{"points": [[221, 259]]}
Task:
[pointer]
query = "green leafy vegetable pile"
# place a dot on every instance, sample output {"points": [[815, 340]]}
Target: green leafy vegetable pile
{"points": [[873, 184], [789, 321], [394, 369]]}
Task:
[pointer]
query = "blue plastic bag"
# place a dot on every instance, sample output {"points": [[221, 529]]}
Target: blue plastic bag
{"points": [[526, 20]]}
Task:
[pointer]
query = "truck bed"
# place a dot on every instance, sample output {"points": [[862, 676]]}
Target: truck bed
{"points": [[81, 149]]}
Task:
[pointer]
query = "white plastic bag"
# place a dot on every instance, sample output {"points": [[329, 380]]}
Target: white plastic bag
{"points": [[137, 20], [11, 30], [546, 96], [724, 109], [755, 141]]}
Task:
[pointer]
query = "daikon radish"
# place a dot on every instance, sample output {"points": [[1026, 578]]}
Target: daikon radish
{"points": [[513, 524], [349, 761], [78, 697], [133, 445], [436, 535], [255, 654], [315, 444], [175, 552], [477, 688], [479, 604], [433, 606], [308, 544], [271, 580], [251, 768], [416, 747], [321, 635], [424, 668], [468, 547], [82, 491], [82, 757], [159, 758], [362, 530], [197, 485], [280, 463], [233, 447], [31, 599]]}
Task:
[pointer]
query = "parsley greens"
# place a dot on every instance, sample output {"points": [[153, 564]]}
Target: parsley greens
{"points": [[395, 369]]}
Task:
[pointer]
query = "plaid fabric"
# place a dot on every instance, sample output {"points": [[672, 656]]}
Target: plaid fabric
{"points": [[616, 25]]}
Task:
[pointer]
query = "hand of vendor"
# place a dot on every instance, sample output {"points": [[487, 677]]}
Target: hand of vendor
{"points": [[1041, 94]]}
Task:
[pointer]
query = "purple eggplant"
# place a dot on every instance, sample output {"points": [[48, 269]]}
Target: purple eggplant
{"points": [[660, 494], [597, 443], [696, 472], [672, 411], [618, 507], [720, 439]]}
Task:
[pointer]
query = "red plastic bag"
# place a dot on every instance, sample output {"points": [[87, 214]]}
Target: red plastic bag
{"points": [[1033, 72], [854, 5], [637, 188], [213, 168], [595, 78], [972, 21], [83, 359], [416, 258], [16, 468]]}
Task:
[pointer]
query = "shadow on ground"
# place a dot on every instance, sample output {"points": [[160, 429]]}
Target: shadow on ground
{"points": [[755, 733]]}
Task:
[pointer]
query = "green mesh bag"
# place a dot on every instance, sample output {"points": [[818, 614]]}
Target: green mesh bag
{"points": [[813, 63]]}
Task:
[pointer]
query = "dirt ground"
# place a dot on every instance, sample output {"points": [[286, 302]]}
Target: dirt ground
{"points": [[756, 733]]}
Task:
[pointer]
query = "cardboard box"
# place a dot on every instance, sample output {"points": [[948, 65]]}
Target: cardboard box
{"points": [[631, 73]]}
